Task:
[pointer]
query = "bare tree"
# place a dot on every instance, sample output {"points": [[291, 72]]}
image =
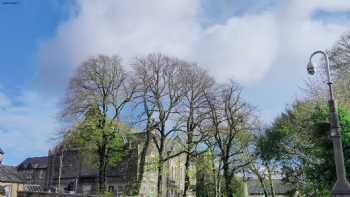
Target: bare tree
{"points": [[230, 119], [340, 64], [102, 87], [143, 98], [159, 93], [339, 56], [216, 166], [194, 83]]}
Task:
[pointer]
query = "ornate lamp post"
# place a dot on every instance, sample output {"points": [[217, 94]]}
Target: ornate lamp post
{"points": [[342, 186]]}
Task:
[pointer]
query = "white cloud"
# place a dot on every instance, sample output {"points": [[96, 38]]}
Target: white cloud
{"points": [[237, 49], [244, 47], [264, 49], [27, 122]]}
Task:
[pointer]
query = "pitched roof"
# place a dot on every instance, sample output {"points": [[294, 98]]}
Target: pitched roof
{"points": [[34, 162], [9, 174], [77, 164], [255, 188]]}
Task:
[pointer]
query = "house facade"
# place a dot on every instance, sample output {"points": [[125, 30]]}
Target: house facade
{"points": [[10, 180]]}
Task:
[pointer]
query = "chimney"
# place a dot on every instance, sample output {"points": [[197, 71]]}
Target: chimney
{"points": [[1, 155]]}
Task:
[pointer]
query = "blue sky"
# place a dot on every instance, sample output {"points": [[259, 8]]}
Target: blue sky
{"points": [[24, 27], [262, 44]]}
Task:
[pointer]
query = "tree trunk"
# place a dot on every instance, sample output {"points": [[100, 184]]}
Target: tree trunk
{"points": [[261, 180], [141, 167], [102, 174], [187, 162], [187, 177], [228, 188], [160, 166], [228, 180], [160, 176], [216, 176], [270, 181], [102, 166], [216, 185], [219, 188], [102, 153]]}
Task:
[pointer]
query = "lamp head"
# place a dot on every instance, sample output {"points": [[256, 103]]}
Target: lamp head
{"points": [[310, 68]]}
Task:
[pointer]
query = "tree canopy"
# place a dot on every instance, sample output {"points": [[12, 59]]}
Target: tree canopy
{"points": [[300, 140]]}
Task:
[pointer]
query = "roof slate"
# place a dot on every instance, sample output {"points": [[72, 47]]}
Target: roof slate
{"points": [[9, 174], [74, 164], [34, 162]]}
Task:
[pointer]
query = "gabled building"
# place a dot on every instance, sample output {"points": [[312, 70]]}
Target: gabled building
{"points": [[71, 171], [33, 170]]}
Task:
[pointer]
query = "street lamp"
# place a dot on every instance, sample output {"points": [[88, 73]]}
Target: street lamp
{"points": [[342, 186]]}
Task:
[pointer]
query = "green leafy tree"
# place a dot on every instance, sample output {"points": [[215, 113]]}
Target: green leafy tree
{"points": [[90, 134], [299, 140], [237, 187], [206, 174], [264, 163], [105, 143], [95, 98]]}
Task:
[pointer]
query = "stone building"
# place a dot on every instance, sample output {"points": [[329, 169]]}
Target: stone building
{"points": [[33, 170], [173, 175], [71, 171]]}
